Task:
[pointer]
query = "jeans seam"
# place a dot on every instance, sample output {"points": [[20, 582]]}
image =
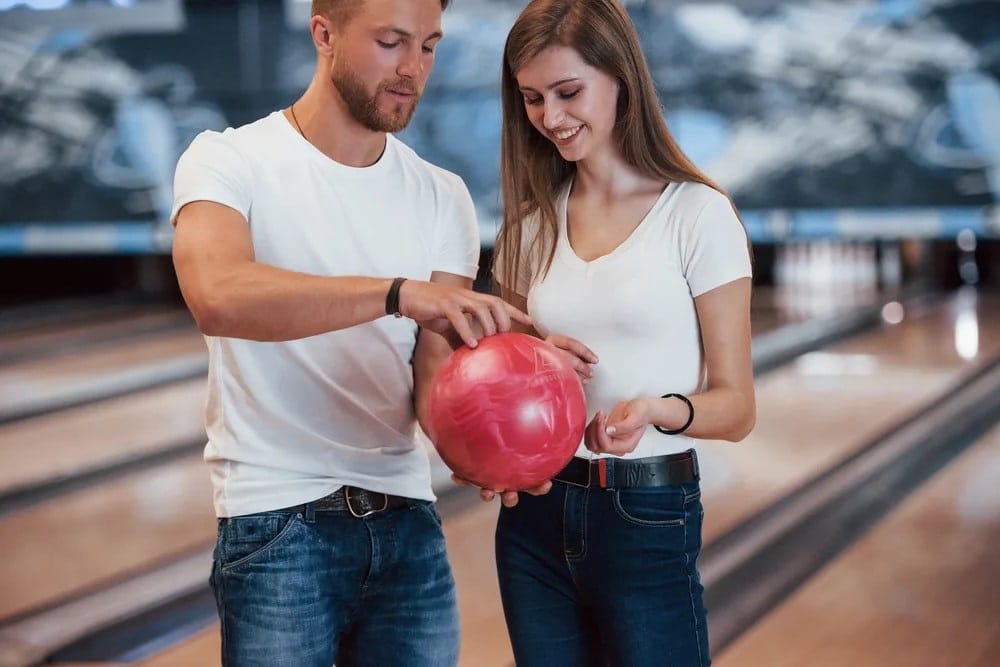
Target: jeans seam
{"points": [[220, 591], [583, 533], [221, 587], [694, 613], [694, 616]]}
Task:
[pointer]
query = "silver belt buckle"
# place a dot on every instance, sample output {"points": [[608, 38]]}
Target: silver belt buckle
{"points": [[357, 515]]}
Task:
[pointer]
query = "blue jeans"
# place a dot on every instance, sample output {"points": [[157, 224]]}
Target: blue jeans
{"points": [[604, 577], [307, 589]]}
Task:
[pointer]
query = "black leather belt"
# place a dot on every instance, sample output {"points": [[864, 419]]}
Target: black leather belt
{"points": [[358, 502], [616, 473]]}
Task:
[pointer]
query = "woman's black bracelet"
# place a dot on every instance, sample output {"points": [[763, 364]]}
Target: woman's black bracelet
{"points": [[690, 419]]}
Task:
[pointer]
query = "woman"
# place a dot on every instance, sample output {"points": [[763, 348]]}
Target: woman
{"points": [[613, 238]]}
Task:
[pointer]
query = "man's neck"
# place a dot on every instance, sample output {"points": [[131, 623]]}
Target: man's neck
{"points": [[323, 119]]}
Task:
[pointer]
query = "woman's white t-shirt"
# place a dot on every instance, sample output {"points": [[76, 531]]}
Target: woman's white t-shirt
{"points": [[634, 307]]}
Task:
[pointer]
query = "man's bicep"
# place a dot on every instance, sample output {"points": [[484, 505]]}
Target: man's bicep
{"points": [[209, 240]]}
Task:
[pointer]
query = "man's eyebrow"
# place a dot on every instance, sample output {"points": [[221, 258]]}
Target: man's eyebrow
{"points": [[405, 34]]}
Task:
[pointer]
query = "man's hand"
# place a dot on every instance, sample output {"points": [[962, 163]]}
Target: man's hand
{"points": [[508, 498], [445, 308]]}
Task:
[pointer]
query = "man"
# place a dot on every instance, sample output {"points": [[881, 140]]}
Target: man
{"points": [[293, 238]]}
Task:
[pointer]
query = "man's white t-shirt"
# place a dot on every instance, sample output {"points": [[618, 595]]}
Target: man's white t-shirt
{"points": [[290, 422], [634, 307]]}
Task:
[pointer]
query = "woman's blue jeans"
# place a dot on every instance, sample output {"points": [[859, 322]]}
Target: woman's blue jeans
{"points": [[307, 589], [592, 576]]}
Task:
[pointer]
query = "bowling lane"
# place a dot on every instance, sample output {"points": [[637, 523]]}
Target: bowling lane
{"points": [[827, 404], [921, 589], [202, 649], [27, 387], [776, 307], [66, 337], [772, 308], [57, 446], [80, 540]]}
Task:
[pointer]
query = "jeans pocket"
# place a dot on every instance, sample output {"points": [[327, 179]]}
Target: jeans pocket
{"points": [[244, 539], [430, 510], [659, 507]]}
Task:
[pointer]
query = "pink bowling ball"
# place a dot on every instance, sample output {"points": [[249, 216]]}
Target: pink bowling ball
{"points": [[508, 414]]}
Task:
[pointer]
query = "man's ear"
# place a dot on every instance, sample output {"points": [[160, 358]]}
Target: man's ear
{"points": [[323, 35]]}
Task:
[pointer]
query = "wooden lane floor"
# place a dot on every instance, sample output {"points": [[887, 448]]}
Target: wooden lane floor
{"points": [[830, 403], [73, 543], [59, 337], [811, 415], [59, 446], [32, 386], [921, 589], [771, 309]]}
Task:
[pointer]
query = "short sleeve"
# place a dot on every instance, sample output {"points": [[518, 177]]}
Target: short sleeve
{"points": [[458, 231], [715, 251], [211, 169]]}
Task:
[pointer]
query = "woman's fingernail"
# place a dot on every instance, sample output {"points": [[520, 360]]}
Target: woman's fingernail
{"points": [[611, 430]]}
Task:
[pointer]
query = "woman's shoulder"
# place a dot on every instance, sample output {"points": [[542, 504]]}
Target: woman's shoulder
{"points": [[693, 197]]}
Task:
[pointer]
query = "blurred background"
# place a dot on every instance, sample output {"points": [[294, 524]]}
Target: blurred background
{"points": [[860, 522]]}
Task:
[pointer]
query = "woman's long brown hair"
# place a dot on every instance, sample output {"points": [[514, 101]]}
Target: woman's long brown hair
{"points": [[531, 169]]}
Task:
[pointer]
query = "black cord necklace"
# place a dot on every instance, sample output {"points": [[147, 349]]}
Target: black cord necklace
{"points": [[297, 126]]}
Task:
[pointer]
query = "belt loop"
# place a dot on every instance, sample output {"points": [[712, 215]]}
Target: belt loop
{"points": [[602, 472], [310, 512]]}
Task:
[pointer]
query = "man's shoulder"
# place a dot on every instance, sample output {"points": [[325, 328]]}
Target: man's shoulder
{"points": [[434, 175], [241, 140]]}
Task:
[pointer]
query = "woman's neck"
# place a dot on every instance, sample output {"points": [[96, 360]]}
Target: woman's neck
{"points": [[608, 177]]}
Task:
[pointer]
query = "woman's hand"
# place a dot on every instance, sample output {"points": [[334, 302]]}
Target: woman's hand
{"points": [[619, 432], [580, 356]]}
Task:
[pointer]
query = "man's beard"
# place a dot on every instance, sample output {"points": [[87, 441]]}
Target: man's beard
{"points": [[364, 107]]}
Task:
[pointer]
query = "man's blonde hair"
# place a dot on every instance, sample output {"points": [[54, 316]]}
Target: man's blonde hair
{"points": [[341, 11]]}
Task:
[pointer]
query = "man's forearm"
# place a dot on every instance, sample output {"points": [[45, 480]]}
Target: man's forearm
{"points": [[265, 303]]}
